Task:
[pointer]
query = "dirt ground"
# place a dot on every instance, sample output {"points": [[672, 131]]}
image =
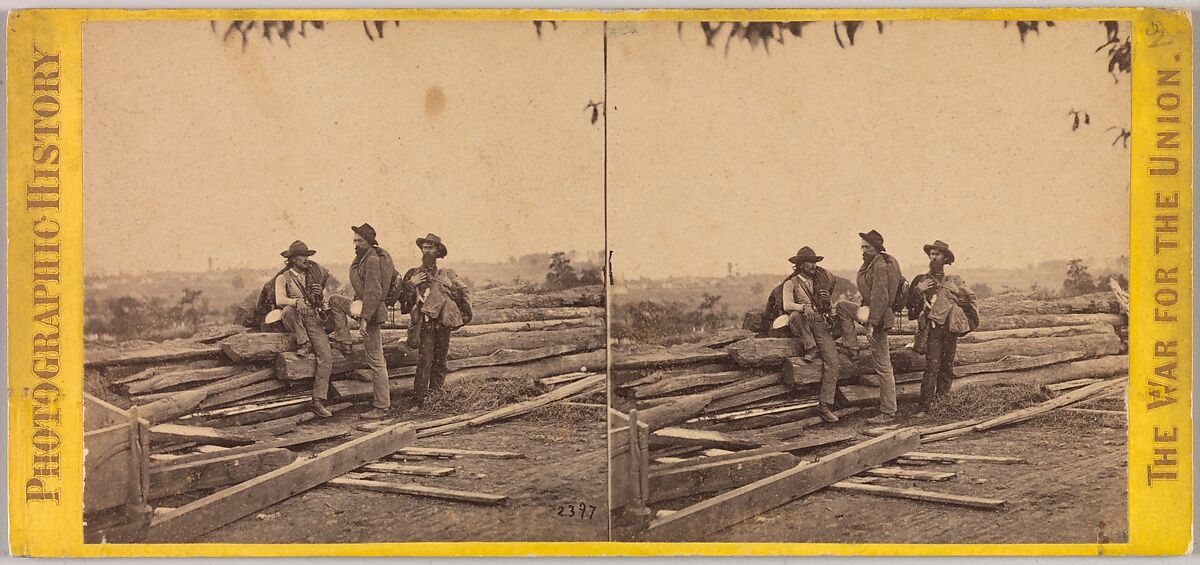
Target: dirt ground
{"points": [[564, 465], [1072, 489]]}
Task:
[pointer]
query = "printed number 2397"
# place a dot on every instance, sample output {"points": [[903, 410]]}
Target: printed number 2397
{"points": [[582, 510]]}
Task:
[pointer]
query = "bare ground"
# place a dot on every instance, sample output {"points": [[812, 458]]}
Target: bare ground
{"points": [[1073, 489], [564, 465]]}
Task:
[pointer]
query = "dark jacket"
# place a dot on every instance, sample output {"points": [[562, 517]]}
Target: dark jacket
{"points": [[370, 275], [878, 281]]}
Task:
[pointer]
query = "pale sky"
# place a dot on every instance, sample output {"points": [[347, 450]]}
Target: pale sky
{"points": [[475, 131], [948, 130]]}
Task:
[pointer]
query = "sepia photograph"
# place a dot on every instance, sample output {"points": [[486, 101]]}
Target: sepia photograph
{"points": [[344, 281], [870, 281]]}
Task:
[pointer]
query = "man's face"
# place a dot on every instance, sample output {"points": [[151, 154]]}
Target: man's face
{"points": [[807, 267], [936, 258], [429, 250], [868, 250], [299, 260], [360, 243]]}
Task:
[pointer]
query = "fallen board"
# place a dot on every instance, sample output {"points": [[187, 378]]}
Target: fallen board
{"points": [[451, 453], [679, 482], [909, 474], [790, 447], [284, 441], [959, 457], [192, 520], [178, 478], [916, 494], [415, 470], [175, 433], [694, 522], [420, 490]]}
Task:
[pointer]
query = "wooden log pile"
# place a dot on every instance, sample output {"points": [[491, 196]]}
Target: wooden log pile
{"points": [[719, 424], [222, 413]]}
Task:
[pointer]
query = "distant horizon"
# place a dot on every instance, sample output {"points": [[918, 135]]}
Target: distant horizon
{"points": [[574, 255]]}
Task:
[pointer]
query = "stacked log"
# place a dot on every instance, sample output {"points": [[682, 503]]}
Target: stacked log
{"points": [[757, 395], [758, 382], [237, 379]]}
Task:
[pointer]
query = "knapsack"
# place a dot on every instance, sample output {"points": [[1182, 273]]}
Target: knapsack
{"points": [[395, 290], [266, 299]]}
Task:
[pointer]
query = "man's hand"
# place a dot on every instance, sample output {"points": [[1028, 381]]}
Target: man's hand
{"points": [[362, 328], [811, 313], [925, 285], [420, 278], [871, 336]]}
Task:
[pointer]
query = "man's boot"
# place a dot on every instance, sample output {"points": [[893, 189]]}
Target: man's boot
{"points": [[374, 414], [319, 408], [825, 413], [304, 350], [882, 418]]}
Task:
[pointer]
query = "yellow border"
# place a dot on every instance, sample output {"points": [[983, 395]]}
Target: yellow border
{"points": [[1160, 515]]}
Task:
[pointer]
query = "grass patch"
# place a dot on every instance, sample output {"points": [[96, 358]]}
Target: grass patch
{"points": [[482, 395], [977, 401]]}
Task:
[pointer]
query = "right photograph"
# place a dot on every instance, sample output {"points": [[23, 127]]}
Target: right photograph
{"points": [[868, 281]]}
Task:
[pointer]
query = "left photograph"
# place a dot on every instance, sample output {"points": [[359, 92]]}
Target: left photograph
{"points": [[344, 281]]}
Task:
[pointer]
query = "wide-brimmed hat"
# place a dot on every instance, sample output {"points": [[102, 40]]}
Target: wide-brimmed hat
{"points": [[437, 241], [367, 232], [874, 238], [298, 248], [944, 247], [806, 254]]}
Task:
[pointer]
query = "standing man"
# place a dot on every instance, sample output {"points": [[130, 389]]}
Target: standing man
{"points": [[371, 275], [940, 300], [300, 291], [806, 300], [439, 302], [879, 280]]}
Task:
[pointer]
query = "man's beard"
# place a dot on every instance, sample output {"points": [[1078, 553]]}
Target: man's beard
{"points": [[936, 265], [866, 256], [428, 259]]}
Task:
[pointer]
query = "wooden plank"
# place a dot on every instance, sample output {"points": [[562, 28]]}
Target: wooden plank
{"points": [[240, 381], [916, 494], [176, 433], [453, 453], [415, 470], [702, 438], [563, 379], [180, 378], [696, 521], [765, 351], [288, 440], [247, 418], [909, 474], [1094, 303], [685, 382], [192, 520], [150, 356], [789, 447], [1008, 322], [678, 410], [750, 397], [590, 295], [256, 346], [241, 393], [1059, 387], [177, 478], [1096, 412], [172, 406], [667, 357], [98, 414], [270, 428], [785, 412], [529, 326], [508, 315], [960, 457], [414, 489], [667, 484]]}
